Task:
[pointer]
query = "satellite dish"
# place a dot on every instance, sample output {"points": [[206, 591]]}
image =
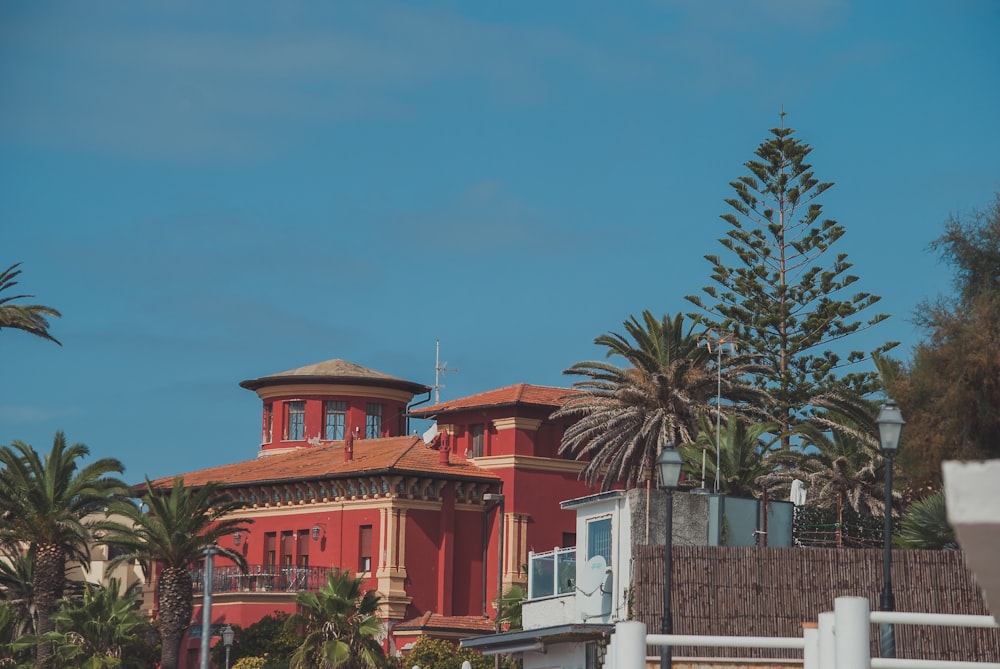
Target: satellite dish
{"points": [[592, 576]]}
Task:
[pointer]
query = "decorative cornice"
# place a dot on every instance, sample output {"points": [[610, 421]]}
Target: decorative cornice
{"points": [[529, 462], [295, 390], [518, 423]]}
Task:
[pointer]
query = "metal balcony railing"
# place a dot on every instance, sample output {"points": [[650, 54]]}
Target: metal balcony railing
{"points": [[261, 578]]}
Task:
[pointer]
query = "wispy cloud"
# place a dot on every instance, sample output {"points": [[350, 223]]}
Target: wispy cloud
{"points": [[163, 88]]}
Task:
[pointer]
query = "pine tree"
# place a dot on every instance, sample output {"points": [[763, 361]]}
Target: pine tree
{"points": [[776, 298]]}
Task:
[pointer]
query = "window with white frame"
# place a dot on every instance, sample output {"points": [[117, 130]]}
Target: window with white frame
{"points": [[477, 440], [295, 420], [334, 419], [373, 421], [268, 424], [599, 538]]}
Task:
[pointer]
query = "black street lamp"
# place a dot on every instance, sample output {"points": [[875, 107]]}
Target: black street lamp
{"points": [[669, 463], [890, 424], [227, 640]]}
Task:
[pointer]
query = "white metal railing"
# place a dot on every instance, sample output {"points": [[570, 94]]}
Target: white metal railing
{"points": [[822, 648]]}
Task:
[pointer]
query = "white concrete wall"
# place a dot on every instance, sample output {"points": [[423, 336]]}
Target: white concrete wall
{"points": [[549, 611]]}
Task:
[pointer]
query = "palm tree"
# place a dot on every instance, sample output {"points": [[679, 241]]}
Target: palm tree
{"points": [[104, 629], [173, 534], [49, 505], [744, 450], [839, 462], [511, 606], [30, 318], [15, 646], [624, 414], [338, 626], [924, 524], [16, 576]]}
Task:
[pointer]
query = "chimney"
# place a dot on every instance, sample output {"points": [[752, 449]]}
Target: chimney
{"points": [[349, 448], [443, 447]]}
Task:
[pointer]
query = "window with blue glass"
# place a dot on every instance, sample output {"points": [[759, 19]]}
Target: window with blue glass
{"points": [[599, 539], [295, 420], [334, 420], [373, 421]]}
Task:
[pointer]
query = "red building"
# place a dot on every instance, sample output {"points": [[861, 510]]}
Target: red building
{"points": [[337, 482]]}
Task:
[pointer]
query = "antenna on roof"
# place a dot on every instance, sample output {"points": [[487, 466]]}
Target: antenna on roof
{"points": [[439, 369]]}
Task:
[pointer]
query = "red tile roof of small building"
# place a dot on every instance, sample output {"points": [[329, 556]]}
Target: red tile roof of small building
{"points": [[436, 622], [517, 394], [407, 454], [334, 371]]}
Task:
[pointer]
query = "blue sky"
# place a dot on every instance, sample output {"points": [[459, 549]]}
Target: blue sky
{"points": [[212, 192]]}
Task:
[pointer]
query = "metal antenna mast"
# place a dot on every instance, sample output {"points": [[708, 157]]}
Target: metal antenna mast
{"points": [[439, 369], [720, 342]]}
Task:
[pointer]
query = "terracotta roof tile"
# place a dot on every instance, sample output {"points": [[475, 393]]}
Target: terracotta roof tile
{"points": [[434, 621], [521, 393], [401, 454]]}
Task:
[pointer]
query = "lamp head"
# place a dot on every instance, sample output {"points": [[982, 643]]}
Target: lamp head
{"points": [[890, 424], [227, 635], [669, 464], [237, 538], [317, 532]]}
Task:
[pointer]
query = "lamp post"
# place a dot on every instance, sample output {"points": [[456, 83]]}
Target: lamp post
{"points": [[499, 499], [890, 424], [227, 640], [669, 463], [206, 606]]}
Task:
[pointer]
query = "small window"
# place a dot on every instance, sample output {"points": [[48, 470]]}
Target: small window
{"points": [[270, 548], [268, 423], [373, 421], [477, 440], [303, 549], [365, 548], [334, 419], [287, 548], [295, 420], [599, 539]]}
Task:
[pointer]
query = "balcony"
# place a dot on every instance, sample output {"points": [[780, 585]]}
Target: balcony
{"points": [[552, 573], [261, 578]]}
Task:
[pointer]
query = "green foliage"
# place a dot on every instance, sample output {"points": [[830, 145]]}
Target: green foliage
{"points": [[624, 415], [250, 663], [510, 606], [820, 527], [743, 455], [338, 626], [950, 394], [270, 639], [16, 591], [429, 653], [104, 629], [30, 318], [839, 463], [924, 525], [174, 532], [13, 650], [48, 503], [773, 293]]}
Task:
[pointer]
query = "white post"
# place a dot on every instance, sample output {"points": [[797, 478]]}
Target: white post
{"points": [[852, 632], [810, 652], [630, 645], [827, 652]]}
